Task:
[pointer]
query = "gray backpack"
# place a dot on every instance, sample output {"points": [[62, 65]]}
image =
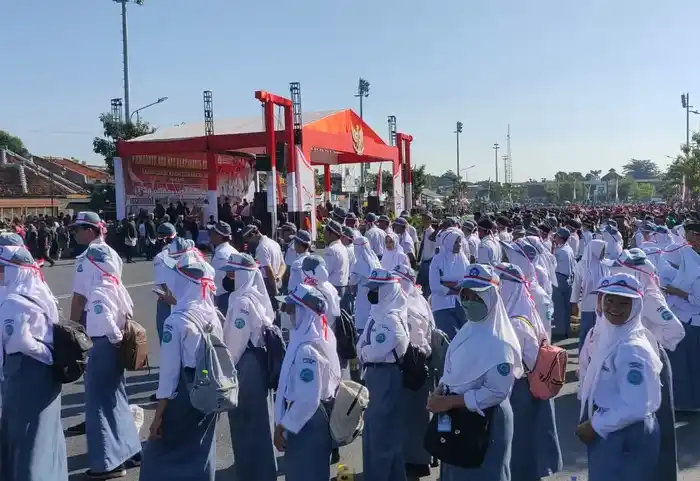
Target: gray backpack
{"points": [[439, 342], [214, 388]]}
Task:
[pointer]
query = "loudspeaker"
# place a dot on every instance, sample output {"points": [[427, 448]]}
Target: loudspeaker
{"points": [[263, 164], [260, 212], [373, 204]]}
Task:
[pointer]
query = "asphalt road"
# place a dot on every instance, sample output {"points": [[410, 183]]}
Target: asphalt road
{"points": [[138, 279]]}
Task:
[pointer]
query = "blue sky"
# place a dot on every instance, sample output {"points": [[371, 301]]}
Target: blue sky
{"points": [[583, 85]]}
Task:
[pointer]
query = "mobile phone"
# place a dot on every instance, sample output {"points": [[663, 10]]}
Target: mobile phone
{"points": [[444, 423], [159, 291]]}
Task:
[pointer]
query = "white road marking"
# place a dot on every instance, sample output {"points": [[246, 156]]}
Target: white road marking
{"points": [[129, 286]]}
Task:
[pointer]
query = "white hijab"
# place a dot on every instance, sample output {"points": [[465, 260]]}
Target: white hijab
{"points": [[607, 339], [688, 270], [26, 280], [392, 300], [192, 294], [545, 258], [365, 259], [310, 328], [591, 268], [319, 279], [480, 346], [394, 257], [419, 312], [453, 267], [107, 285], [519, 302], [249, 283]]}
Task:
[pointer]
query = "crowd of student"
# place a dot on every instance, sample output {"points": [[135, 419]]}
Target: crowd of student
{"points": [[484, 296]]}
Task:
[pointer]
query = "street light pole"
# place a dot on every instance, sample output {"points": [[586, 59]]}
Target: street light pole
{"points": [[495, 148], [685, 102], [458, 131], [362, 92], [136, 112], [125, 55]]}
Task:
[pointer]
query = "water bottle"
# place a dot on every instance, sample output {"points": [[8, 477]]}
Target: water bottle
{"points": [[205, 378], [344, 473]]}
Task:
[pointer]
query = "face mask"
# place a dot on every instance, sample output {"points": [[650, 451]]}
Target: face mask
{"points": [[373, 297], [475, 311], [229, 284]]}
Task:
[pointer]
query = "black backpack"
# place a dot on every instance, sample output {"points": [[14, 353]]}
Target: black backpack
{"points": [[414, 366], [275, 349], [345, 336], [70, 351]]}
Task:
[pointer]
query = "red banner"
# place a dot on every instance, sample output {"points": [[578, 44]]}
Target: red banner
{"points": [[149, 175]]}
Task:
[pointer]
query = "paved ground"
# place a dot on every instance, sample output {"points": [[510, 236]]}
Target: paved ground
{"points": [[138, 278]]}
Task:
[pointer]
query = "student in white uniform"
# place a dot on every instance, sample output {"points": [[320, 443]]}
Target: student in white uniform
{"points": [[420, 324], [536, 452], [448, 268], [337, 261], [405, 240], [426, 252], [182, 440], [220, 238], [268, 253], [113, 442], [393, 253], [315, 274], [308, 382], [482, 363], [384, 339], [374, 235], [489, 251], [302, 244], [365, 262], [32, 445], [621, 388], [250, 424], [587, 274]]}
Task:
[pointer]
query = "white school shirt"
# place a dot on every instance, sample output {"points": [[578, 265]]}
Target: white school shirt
{"points": [[25, 330], [269, 253], [309, 384], [220, 258], [290, 255], [427, 245], [101, 320], [588, 299], [574, 242], [243, 324], [442, 297], [296, 275], [406, 243], [362, 305], [412, 233], [628, 390], [178, 350], [488, 390], [376, 238], [380, 338], [488, 251], [337, 263], [82, 280], [160, 270]]}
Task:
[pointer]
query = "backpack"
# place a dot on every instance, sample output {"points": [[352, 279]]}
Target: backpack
{"points": [[275, 350], [414, 365], [70, 349], [346, 417], [439, 342], [548, 375], [133, 350], [214, 387], [346, 336]]}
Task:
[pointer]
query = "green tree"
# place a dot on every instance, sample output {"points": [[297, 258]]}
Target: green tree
{"points": [[645, 191], [13, 143], [419, 181], [115, 129], [387, 182], [641, 169]]}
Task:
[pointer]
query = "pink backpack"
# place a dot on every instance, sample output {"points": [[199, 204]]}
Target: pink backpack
{"points": [[549, 374]]}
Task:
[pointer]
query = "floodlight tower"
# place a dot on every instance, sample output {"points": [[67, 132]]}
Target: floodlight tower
{"points": [[508, 160], [495, 148], [362, 93], [125, 54], [116, 109]]}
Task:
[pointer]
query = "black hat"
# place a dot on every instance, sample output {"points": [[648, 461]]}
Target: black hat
{"points": [[222, 228], [486, 224]]}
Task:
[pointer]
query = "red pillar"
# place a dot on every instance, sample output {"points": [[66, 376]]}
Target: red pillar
{"points": [[327, 182], [408, 202]]}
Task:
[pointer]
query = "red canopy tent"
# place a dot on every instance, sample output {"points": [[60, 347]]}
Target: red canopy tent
{"points": [[184, 160]]}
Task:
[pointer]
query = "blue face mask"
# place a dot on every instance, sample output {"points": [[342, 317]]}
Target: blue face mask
{"points": [[475, 311]]}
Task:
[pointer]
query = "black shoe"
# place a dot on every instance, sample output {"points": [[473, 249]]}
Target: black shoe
{"points": [[133, 462], [77, 429], [335, 456], [417, 470], [119, 472], [153, 398]]}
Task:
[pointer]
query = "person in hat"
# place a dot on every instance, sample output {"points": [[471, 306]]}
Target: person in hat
{"points": [[589, 271], [375, 236], [384, 223], [620, 387], [366, 261], [351, 222], [182, 440], [150, 236], [301, 243], [113, 443], [346, 239], [482, 363], [409, 228], [249, 314], [472, 239], [426, 251], [309, 376], [220, 239], [489, 251], [667, 332], [32, 444], [561, 297], [400, 227], [380, 347], [337, 261], [268, 253], [287, 232], [536, 452], [574, 241]]}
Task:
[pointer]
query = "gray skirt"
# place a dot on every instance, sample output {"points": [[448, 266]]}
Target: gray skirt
{"points": [[308, 453], [32, 445], [251, 422], [110, 430], [187, 449]]}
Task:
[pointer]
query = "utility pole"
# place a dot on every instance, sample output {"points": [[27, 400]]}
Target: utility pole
{"points": [[685, 102], [458, 131], [362, 92], [495, 148], [125, 56]]}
